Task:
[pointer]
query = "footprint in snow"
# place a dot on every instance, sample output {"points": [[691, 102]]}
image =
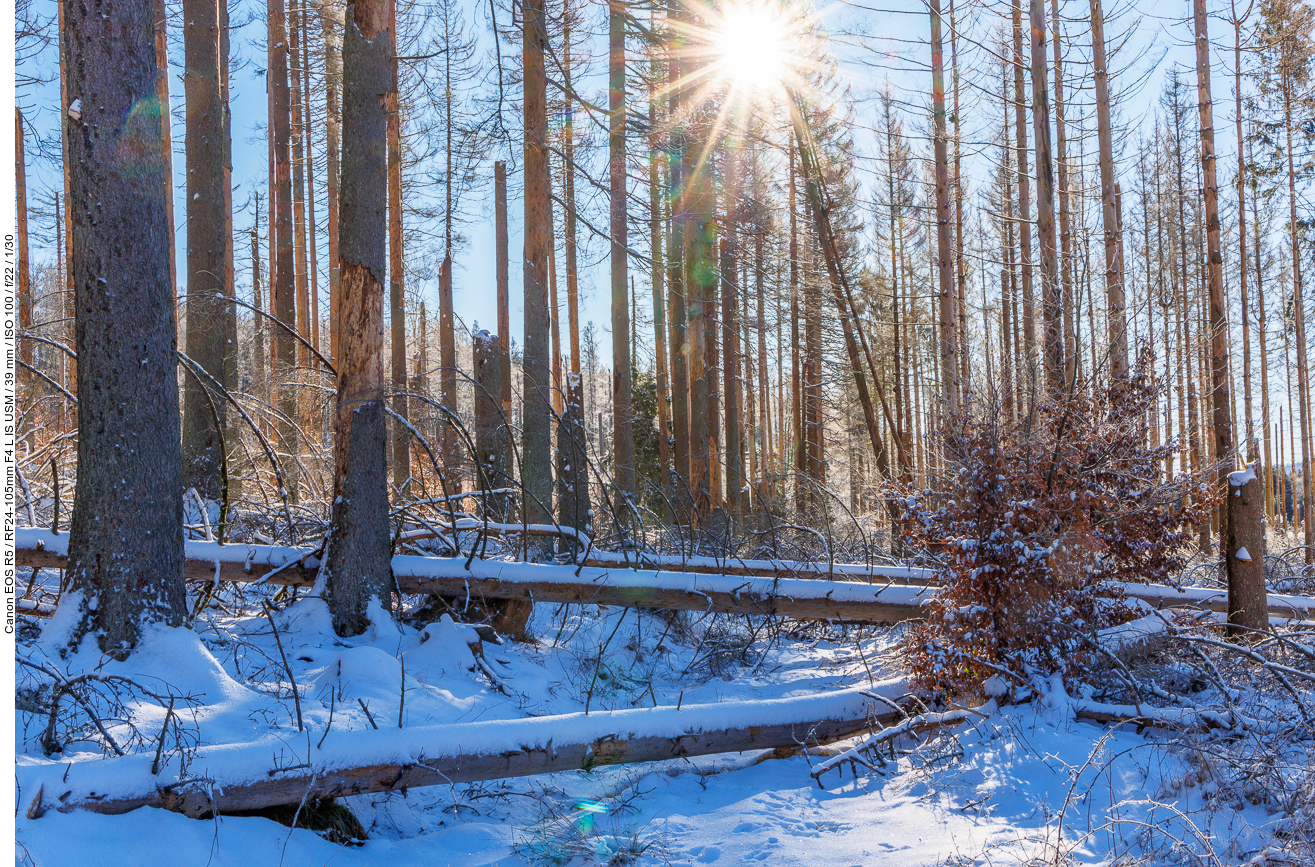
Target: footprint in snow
{"points": [[705, 854]]}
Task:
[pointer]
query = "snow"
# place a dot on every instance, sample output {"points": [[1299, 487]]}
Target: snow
{"points": [[1238, 478], [1021, 782], [1242, 554]]}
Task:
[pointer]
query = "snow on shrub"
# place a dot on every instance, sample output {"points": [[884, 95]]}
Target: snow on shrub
{"points": [[1035, 520]]}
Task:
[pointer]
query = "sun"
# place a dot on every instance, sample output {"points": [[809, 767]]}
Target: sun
{"points": [[752, 46]]}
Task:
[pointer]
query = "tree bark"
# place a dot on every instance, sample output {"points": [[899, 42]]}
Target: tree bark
{"points": [[208, 244], [125, 563], [360, 576]]}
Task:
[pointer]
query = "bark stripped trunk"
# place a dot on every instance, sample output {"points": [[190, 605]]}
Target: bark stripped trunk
{"points": [[208, 243], [125, 563], [360, 574]]}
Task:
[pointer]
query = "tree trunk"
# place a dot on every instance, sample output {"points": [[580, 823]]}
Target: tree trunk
{"points": [[360, 576], [396, 286], [283, 301], [1246, 577], [125, 563], [1064, 193], [490, 447], [1024, 209], [166, 128], [1051, 311], [1118, 328], [24, 272], [1299, 325], [944, 267], [735, 481], [312, 267], [207, 248], [536, 464], [332, 70], [655, 197], [623, 442], [502, 253]]}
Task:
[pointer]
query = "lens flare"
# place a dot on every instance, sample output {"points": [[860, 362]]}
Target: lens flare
{"points": [[752, 44]]}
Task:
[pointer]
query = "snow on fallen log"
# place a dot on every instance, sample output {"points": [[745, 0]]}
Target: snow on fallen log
{"points": [[286, 769], [761, 568], [1177, 718], [1161, 596], [803, 598]]}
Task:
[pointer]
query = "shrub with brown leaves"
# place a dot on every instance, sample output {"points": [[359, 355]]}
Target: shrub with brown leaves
{"points": [[1037, 522]]}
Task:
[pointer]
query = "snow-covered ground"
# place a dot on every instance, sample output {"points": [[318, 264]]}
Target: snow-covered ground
{"points": [[1026, 783]]}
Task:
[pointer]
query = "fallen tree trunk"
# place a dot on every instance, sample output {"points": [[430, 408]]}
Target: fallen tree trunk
{"points": [[725, 592], [237, 777], [801, 598]]}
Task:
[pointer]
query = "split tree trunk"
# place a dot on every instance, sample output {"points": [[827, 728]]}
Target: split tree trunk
{"points": [[125, 563], [360, 576]]}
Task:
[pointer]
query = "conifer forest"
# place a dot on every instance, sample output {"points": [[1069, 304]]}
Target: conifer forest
{"points": [[657, 432]]}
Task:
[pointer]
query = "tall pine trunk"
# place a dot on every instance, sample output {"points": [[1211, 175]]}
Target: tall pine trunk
{"points": [[125, 551]]}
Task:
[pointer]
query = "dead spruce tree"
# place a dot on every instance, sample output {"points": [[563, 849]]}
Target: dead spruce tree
{"points": [[358, 543], [125, 564]]}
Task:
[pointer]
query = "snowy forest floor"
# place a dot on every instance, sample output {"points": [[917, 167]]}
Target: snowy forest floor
{"points": [[1027, 785]]}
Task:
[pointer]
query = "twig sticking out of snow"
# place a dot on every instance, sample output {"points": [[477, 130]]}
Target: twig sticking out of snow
{"points": [[854, 755]]}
